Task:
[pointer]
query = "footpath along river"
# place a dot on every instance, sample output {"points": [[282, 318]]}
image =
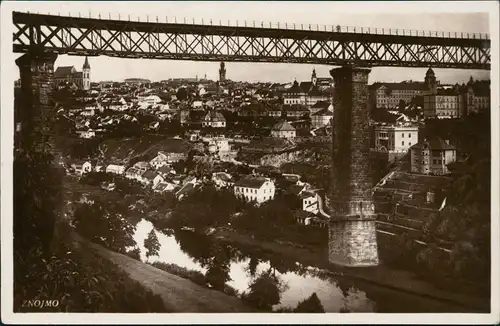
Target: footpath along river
{"points": [[240, 267]]}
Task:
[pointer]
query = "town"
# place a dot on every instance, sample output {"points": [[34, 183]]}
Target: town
{"points": [[166, 164]]}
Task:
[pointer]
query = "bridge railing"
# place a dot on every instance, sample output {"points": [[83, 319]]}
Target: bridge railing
{"points": [[289, 26]]}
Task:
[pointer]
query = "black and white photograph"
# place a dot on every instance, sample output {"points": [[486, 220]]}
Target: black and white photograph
{"points": [[250, 162]]}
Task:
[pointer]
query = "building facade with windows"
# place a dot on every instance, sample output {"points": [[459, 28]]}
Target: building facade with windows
{"points": [[255, 189], [395, 138], [308, 93], [432, 156]]}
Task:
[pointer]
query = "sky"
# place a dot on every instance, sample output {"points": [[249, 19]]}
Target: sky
{"points": [[435, 16]]}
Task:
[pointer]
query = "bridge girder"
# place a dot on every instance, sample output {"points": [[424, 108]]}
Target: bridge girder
{"points": [[83, 36]]}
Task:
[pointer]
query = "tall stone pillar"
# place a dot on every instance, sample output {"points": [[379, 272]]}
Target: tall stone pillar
{"points": [[352, 233], [36, 108]]}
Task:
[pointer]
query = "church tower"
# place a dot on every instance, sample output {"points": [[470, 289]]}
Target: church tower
{"points": [[86, 75], [222, 72], [314, 79], [430, 81]]}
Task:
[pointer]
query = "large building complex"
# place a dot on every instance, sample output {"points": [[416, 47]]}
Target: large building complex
{"points": [[308, 93]]}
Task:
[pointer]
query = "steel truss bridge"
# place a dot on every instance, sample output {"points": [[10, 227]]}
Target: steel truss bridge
{"points": [[181, 41]]}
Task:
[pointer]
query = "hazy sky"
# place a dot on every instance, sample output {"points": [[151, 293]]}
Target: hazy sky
{"points": [[422, 16]]}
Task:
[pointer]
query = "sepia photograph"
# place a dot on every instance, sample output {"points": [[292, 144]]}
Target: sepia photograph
{"points": [[249, 162]]}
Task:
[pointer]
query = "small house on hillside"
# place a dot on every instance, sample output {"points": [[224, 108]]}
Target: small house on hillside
{"points": [[283, 130]]}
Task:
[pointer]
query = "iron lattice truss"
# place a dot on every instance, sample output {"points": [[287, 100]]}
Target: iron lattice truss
{"points": [[116, 38]]}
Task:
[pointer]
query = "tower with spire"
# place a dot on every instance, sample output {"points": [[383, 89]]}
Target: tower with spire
{"points": [[86, 74], [222, 72], [314, 78], [430, 81]]}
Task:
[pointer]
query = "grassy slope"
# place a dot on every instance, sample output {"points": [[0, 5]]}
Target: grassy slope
{"points": [[178, 294]]}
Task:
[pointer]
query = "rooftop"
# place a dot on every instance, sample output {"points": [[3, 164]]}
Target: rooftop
{"points": [[250, 182]]}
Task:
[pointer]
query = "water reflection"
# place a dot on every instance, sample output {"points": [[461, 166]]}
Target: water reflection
{"points": [[240, 268]]}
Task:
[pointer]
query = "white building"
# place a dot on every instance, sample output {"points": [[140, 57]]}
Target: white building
{"points": [[160, 160], [309, 202], [83, 168], [395, 138], [283, 130], [116, 169], [255, 189], [214, 119]]}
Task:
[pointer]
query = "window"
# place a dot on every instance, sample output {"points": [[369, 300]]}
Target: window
{"points": [[402, 143], [403, 136], [409, 135]]}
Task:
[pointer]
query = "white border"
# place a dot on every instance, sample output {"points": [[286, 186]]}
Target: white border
{"points": [[8, 70]]}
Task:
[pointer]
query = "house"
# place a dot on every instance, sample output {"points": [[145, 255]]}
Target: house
{"points": [[141, 165], [309, 202], [322, 117], [135, 173], [185, 190], [150, 177], [161, 187], [116, 169], [214, 119], [283, 130], [83, 168], [395, 138], [432, 156], [222, 179], [160, 160], [255, 189]]}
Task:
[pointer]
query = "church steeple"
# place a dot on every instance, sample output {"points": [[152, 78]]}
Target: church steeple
{"points": [[222, 72], [86, 74], [314, 79], [86, 64]]}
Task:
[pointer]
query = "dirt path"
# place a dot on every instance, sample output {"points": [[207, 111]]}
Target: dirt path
{"points": [[178, 294]]}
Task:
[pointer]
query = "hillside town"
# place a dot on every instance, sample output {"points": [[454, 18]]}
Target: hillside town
{"points": [[251, 151], [276, 131]]}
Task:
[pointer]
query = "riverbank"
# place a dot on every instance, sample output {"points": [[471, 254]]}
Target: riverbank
{"points": [[380, 275], [178, 294]]}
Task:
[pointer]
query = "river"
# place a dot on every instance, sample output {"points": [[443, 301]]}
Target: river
{"points": [[240, 267]]}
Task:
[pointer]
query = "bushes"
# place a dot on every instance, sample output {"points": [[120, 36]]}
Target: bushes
{"points": [[99, 225], [47, 266]]}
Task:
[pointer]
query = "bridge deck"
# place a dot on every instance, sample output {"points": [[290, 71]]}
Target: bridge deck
{"points": [[364, 47]]}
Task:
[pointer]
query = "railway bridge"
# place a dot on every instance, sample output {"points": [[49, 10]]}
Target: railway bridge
{"points": [[352, 230]]}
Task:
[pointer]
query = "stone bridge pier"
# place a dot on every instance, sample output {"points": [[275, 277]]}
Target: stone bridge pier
{"points": [[352, 232], [36, 111]]}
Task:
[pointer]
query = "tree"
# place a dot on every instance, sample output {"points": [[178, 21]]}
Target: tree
{"points": [[310, 305], [264, 292], [182, 94], [152, 244], [110, 229]]}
